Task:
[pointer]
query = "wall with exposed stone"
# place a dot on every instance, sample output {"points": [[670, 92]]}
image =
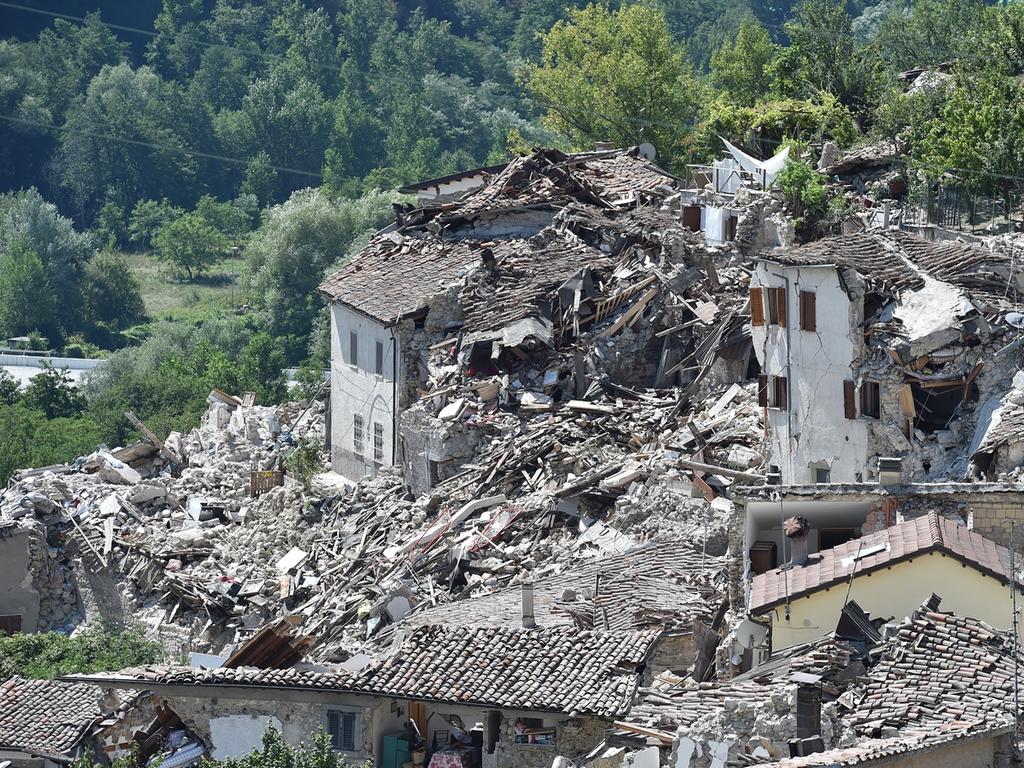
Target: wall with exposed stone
{"points": [[573, 737]]}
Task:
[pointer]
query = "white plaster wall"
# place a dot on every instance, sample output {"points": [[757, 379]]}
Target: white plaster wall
{"points": [[238, 735], [817, 364], [450, 188], [356, 388]]}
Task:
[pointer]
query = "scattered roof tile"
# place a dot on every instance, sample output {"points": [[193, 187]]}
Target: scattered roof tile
{"points": [[46, 717]]}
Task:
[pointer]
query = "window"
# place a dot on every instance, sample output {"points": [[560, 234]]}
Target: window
{"points": [[531, 730], [341, 727], [808, 313], [780, 392], [772, 391], [378, 443], [756, 307], [357, 434], [822, 475], [776, 306], [379, 367], [870, 400], [353, 348]]}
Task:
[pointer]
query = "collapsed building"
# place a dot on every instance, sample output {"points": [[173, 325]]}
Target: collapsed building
{"points": [[876, 346]]}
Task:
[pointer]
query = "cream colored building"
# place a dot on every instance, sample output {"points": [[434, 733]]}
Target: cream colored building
{"points": [[890, 574]]}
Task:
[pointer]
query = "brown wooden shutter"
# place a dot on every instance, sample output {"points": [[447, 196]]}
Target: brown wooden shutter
{"points": [[762, 390], [780, 304], [849, 399], [756, 306], [808, 318]]}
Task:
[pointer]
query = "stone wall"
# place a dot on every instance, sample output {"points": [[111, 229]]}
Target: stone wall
{"points": [[573, 737]]}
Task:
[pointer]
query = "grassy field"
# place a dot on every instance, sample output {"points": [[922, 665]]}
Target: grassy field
{"points": [[169, 297]]}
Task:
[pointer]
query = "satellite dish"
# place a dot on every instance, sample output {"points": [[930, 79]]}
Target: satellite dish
{"points": [[647, 150], [1016, 319]]}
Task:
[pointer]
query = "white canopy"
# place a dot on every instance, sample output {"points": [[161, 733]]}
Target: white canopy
{"points": [[761, 169]]}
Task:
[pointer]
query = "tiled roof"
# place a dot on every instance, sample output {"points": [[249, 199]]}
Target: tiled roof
{"points": [[915, 537], [879, 750], [663, 584], [549, 178], [546, 669], [894, 261], [940, 669], [525, 280], [394, 275], [46, 717]]}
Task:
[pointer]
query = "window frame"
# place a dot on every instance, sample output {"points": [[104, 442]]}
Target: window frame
{"points": [[358, 434], [353, 349], [342, 713], [866, 402], [378, 443], [378, 367], [808, 311]]}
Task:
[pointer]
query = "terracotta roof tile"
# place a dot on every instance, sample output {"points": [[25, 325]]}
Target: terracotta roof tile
{"points": [[46, 717], [923, 534]]}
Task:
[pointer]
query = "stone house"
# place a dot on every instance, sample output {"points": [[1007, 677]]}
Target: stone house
{"points": [[521, 696], [889, 574], [48, 723], [400, 297], [876, 345]]}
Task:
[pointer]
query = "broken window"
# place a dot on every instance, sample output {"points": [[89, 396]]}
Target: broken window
{"points": [[936, 403], [691, 217], [822, 475], [849, 399], [870, 400], [777, 306], [341, 727], [756, 307], [808, 318], [379, 367], [833, 537], [378, 443], [357, 434], [353, 348], [531, 730], [780, 392]]}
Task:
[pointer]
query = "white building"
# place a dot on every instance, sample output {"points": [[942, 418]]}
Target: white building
{"points": [[874, 345]]}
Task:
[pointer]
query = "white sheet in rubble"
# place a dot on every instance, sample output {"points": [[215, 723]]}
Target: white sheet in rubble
{"points": [[714, 225], [931, 308], [766, 169]]}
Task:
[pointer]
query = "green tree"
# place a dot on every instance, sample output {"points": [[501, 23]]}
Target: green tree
{"points": [[43, 655], [804, 190], [27, 218], [54, 393], [288, 256], [190, 244], [275, 752], [229, 219], [111, 293], [8, 388], [929, 32], [147, 217], [26, 300], [616, 75], [741, 68]]}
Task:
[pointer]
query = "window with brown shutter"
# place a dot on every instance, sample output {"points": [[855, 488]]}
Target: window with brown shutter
{"points": [[756, 307], [808, 319], [762, 390], [870, 400], [849, 402], [781, 392]]}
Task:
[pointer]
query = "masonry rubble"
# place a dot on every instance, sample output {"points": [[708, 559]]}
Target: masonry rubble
{"points": [[582, 381]]}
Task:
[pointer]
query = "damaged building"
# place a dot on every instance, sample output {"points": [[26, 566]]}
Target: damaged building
{"points": [[876, 346]]}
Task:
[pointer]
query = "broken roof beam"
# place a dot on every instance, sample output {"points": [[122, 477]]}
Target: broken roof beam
{"points": [[146, 432], [710, 469]]}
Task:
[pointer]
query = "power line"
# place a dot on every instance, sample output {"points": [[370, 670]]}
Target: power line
{"points": [[152, 145], [155, 34]]}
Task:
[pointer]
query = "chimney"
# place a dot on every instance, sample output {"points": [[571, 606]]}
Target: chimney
{"points": [[796, 530], [890, 471], [529, 622]]}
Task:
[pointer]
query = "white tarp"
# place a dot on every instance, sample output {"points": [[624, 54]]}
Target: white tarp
{"points": [[762, 170]]}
